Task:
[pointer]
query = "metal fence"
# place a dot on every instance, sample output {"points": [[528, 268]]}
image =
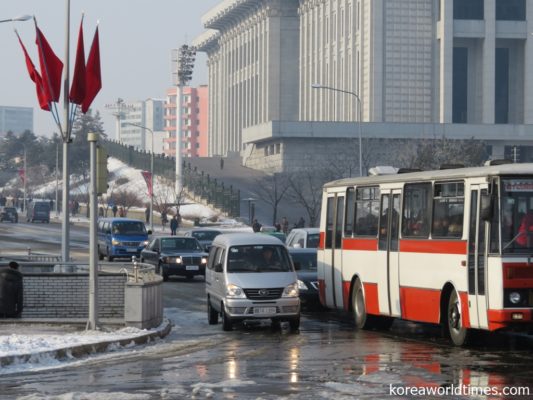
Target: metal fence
{"points": [[197, 184]]}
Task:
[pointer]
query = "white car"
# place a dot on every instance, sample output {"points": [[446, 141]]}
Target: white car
{"points": [[303, 238]]}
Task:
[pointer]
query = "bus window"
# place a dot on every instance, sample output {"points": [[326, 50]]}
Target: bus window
{"points": [[350, 209], [366, 211], [338, 224], [329, 222], [416, 211], [448, 210]]}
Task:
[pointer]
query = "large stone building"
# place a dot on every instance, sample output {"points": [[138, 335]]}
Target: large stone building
{"points": [[403, 70]]}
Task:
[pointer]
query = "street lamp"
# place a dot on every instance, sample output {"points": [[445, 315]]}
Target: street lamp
{"points": [[19, 18], [151, 172], [318, 86]]}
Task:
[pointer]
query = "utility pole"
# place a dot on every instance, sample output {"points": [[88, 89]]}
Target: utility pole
{"points": [[92, 323]]}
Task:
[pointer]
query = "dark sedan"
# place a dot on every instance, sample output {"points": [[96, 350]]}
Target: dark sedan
{"points": [[9, 214], [175, 255], [204, 235], [304, 261]]}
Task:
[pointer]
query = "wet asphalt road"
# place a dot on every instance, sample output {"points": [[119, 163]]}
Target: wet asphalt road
{"points": [[327, 359]]}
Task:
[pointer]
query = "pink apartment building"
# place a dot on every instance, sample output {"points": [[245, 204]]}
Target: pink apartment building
{"points": [[194, 121]]}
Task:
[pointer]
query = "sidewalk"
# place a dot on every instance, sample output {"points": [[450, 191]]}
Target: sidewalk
{"points": [[31, 340]]}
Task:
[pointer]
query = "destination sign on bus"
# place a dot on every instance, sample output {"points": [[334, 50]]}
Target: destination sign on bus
{"points": [[518, 185]]}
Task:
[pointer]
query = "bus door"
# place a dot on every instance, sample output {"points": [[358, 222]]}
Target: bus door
{"points": [[332, 251], [477, 261], [388, 255]]}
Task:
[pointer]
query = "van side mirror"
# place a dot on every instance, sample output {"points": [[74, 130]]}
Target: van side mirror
{"points": [[149, 231], [108, 231], [486, 207], [218, 267]]}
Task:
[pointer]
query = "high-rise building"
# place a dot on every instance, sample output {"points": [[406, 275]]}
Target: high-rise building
{"points": [[194, 116], [135, 117], [402, 69], [16, 119]]}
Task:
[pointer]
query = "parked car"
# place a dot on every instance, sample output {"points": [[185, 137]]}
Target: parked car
{"points": [[303, 237], [176, 255], [250, 276], [9, 214], [305, 261], [204, 235], [121, 237], [38, 211]]}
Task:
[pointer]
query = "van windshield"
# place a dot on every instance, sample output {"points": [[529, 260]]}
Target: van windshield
{"points": [[129, 228], [258, 258]]}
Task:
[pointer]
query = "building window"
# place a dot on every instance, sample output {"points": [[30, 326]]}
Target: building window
{"points": [[501, 87], [468, 9], [511, 10], [460, 85]]}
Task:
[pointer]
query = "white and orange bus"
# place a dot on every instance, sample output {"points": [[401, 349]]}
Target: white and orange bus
{"points": [[447, 247]]}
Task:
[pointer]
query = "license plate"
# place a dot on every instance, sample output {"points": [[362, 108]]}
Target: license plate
{"points": [[264, 310], [192, 268], [131, 249]]}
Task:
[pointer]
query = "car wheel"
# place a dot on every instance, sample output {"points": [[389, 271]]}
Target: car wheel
{"points": [[100, 255], [453, 321], [109, 256], [212, 314], [227, 325], [294, 324]]}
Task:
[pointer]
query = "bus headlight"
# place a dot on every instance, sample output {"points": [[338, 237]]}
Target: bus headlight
{"points": [[291, 290], [302, 285], [514, 297]]}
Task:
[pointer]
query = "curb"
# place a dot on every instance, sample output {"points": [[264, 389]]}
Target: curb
{"points": [[83, 350]]}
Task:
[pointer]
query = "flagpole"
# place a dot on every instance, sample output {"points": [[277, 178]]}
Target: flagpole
{"points": [[65, 229]]}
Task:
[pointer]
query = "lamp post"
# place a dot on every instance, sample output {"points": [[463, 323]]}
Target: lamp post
{"points": [[19, 18], [24, 181], [184, 65], [318, 86], [151, 172]]}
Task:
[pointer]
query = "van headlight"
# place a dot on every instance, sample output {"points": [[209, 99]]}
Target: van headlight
{"points": [[234, 291], [115, 242], [291, 290], [302, 285], [145, 243]]}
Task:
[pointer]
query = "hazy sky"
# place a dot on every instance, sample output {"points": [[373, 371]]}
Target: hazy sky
{"points": [[136, 38]]}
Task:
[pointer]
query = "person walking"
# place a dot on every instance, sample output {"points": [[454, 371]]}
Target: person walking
{"points": [[114, 209], [173, 225], [256, 226], [163, 218], [147, 214], [285, 225]]}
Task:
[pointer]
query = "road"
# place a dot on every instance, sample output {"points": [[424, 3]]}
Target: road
{"points": [[327, 359]]}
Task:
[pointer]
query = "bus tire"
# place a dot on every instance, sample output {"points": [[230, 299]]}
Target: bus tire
{"points": [[453, 321], [358, 305]]}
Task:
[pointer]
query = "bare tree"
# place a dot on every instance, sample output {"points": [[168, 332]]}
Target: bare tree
{"points": [[306, 190], [127, 199], [271, 189]]}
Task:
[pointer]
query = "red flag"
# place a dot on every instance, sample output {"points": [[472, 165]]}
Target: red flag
{"points": [[93, 80], [36, 78], [22, 175], [77, 90], [51, 67], [148, 179]]}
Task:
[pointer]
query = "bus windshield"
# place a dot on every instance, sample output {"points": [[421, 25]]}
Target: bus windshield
{"points": [[517, 215]]}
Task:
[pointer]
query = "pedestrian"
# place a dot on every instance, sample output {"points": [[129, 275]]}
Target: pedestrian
{"points": [[221, 163], [114, 209], [11, 295], [278, 227], [256, 226], [100, 211], [14, 265], [301, 223], [285, 225], [163, 218], [147, 214], [121, 212], [173, 225]]}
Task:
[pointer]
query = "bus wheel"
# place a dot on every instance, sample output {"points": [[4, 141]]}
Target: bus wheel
{"points": [[358, 305], [454, 325]]}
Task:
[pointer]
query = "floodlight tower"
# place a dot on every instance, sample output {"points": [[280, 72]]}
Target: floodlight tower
{"points": [[118, 110]]}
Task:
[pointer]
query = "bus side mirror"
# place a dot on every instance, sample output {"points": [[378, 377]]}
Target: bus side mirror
{"points": [[487, 207]]}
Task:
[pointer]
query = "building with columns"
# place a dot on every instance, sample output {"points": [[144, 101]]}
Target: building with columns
{"points": [[411, 69]]}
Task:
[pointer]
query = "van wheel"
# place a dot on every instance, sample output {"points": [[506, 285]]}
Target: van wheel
{"points": [[109, 256], [227, 325], [294, 324], [453, 321], [212, 314], [100, 255]]}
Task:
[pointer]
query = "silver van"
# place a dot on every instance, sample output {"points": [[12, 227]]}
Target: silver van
{"points": [[251, 276]]}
